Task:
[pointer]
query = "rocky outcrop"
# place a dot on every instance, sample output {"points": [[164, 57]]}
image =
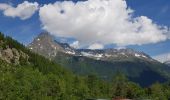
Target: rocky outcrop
{"points": [[45, 45], [12, 55]]}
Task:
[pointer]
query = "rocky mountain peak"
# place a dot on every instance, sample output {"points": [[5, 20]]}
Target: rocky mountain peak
{"points": [[45, 35], [46, 45], [12, 55]]}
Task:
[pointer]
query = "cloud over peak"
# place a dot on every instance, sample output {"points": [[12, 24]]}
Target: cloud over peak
{"points": [[100, 21], [24, 10], [96, 46], [90, 22]]}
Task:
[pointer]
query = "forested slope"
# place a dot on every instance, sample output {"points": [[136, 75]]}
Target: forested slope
{"points": [[28, 76]]}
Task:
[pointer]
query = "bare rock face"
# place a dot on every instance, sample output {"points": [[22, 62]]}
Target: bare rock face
{"points": [[16, 56], [12, 55], [7, 55], [15, 52], [23, 56], [45, 45]]}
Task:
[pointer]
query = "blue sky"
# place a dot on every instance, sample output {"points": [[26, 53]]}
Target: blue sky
{"points": [[25, 30], [159, 12]]}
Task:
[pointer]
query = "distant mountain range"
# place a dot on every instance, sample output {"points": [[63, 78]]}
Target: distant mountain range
{"points": [[167, 63], [47, 46], [138, 66], [164, 58]]}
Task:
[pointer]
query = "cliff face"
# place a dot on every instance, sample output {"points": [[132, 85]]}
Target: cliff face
{"points": [[12, 55]]}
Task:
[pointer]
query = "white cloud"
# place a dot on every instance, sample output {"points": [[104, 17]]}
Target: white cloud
{"points": [[163, 57], [24, 10], [75, 44], [4, 6], [100, 21], [96, 46]]}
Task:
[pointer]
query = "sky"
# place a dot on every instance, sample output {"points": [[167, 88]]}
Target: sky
{"points": [[142, 25]]}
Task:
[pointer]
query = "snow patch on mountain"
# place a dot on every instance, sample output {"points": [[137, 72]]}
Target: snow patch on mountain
{"points": [[50, 47], [87, 54], [70, 52], [137, 55]]}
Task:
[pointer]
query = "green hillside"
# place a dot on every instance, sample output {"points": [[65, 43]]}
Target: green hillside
{"points": [[140, 71], [41, 79], [137, 66], [28, 76]]}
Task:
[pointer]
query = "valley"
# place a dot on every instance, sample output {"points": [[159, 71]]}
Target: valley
{"points": [[104, 63]]}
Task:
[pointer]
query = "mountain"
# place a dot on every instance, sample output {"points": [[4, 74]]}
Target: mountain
{"points": [[27, 75], [46, 45], [167, 63], [138, 66], [164, 58]]}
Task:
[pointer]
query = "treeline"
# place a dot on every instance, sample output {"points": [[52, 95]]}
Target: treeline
{"points": [[28, 83], [42, 79]]}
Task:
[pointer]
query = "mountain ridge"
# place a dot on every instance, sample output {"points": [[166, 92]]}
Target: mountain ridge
{"points": [[167, 63], [28, 75], [163, 58], [105, 63], [48, 40]]}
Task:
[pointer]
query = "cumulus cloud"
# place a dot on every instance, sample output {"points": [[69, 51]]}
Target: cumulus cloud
{"points": [[24, 10], [100, 21], [96, 46], [163, 57]]}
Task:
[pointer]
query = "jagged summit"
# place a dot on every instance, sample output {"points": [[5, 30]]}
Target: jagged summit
{"points": [[46, 45], [46, 35], [135, 64]]}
